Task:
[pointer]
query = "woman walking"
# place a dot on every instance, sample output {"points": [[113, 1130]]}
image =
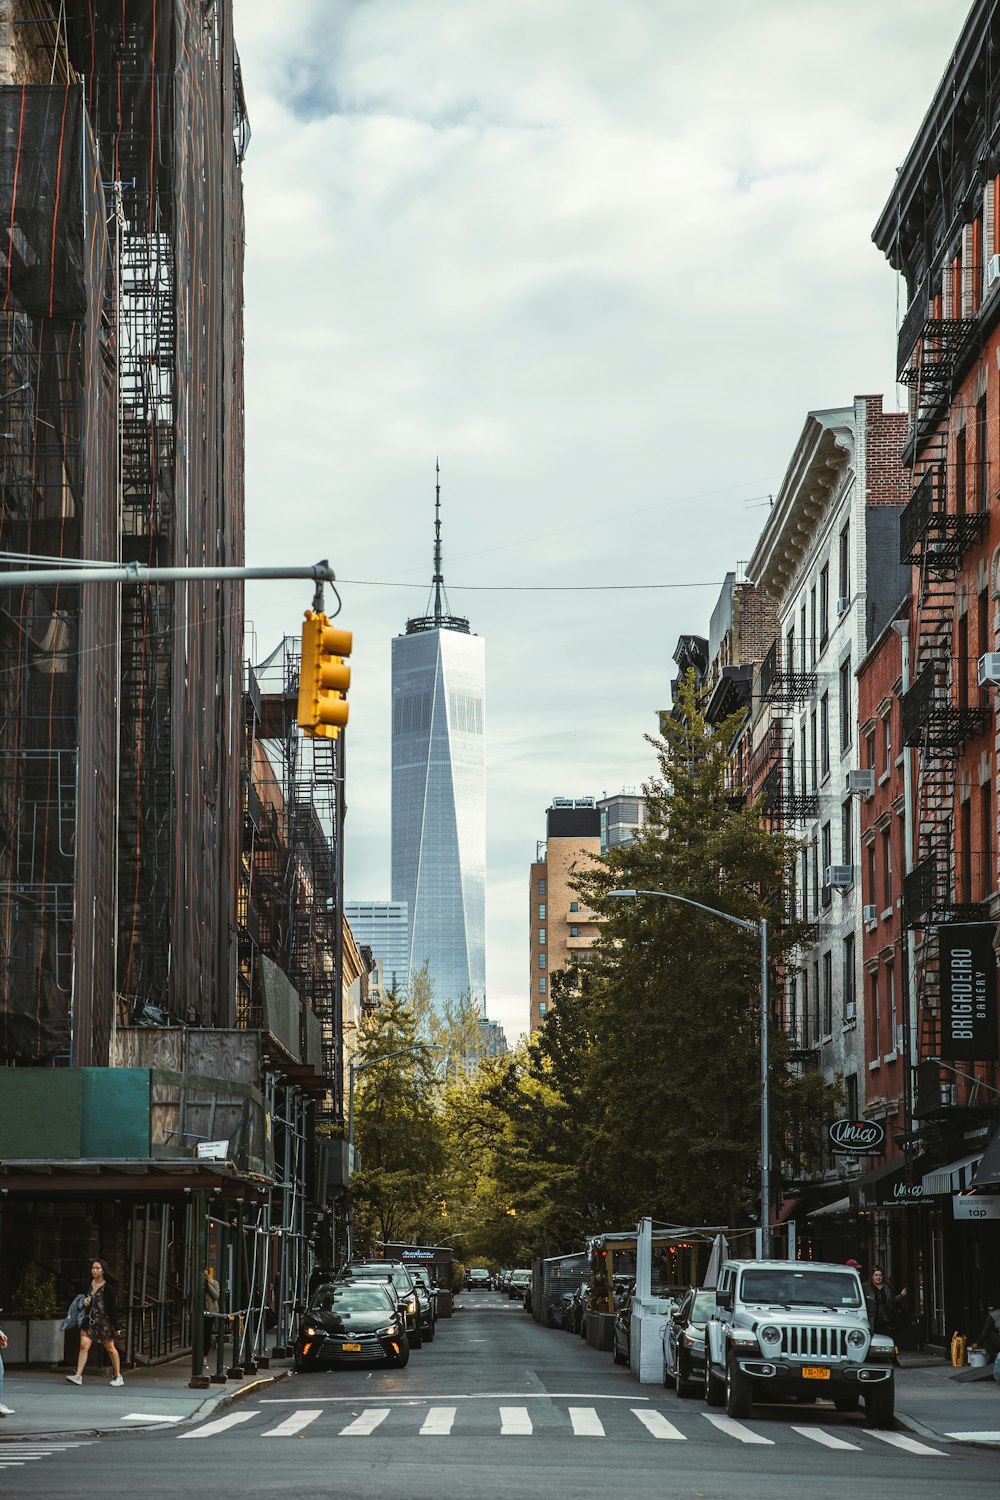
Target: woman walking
{"points": [[100, 1323], [5, 1411]]}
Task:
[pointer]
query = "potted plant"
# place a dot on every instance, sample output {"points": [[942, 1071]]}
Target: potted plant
{"points": [[33, 1324]]}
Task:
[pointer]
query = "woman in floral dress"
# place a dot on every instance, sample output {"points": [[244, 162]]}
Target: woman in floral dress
{"points": [[100, 1323]]}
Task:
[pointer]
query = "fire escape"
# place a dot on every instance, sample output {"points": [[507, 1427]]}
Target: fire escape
{"points": [[942, 710]]}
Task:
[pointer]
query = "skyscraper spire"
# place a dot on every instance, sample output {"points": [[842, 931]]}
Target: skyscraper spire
{"points": [[438, 616]]}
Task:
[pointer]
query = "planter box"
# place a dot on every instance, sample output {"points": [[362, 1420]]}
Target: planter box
{"points": [[33, 1341], [601, 1330]]}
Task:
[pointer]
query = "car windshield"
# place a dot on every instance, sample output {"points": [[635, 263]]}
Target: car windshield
{"points": [[348, 1299], [801, 1288], [702, 1308], [377, 1271]]}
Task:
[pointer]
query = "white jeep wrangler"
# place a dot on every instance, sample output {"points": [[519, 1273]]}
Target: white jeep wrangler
{"points": [[795, 1329]]}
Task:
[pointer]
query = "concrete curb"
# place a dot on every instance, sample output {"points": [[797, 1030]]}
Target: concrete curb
{"points": [[223, 1399]]}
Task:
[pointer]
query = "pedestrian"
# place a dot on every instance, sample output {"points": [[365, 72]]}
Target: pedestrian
{"points": [[989, 1339], [211, 1306], [883, 1303], [100, 1322], [5, 1411]]}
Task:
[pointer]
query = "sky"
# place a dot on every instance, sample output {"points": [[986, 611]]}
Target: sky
{"points": [[599, 257]]}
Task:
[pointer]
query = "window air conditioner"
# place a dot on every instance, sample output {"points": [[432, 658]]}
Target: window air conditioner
{"points": [[843, 604], [861, 783], [870, 913], [989, 665], [992, 270], [840, 877]]}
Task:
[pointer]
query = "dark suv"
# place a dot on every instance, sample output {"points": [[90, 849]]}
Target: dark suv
{"points": [[417, 1305], [478, 1279]]}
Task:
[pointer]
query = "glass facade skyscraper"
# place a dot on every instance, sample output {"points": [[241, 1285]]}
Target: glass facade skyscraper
{"points": [[439, 794], [382, 926]]}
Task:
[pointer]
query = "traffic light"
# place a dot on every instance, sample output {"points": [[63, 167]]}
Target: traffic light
{"points": [[324, 678]]}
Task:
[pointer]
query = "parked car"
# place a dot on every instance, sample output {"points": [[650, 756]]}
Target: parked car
{"points": [[579, 1309], [516, 1284], [396, 1275], [558, 1309], [427, 1297], [351, 1323], [478, 1279], [621, 1348], [684, 1341], [500, 1280]]}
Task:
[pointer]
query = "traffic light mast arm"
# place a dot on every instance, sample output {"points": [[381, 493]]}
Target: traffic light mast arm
{"points": [[138, 573]]}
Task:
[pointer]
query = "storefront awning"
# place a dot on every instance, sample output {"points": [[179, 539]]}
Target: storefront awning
{"points": [[838, 1206], [956, 1177], [988, 1171]]}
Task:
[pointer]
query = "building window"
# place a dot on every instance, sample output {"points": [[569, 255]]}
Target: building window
{"points": [[541, 937], [803, 762], [887, 866], [790, 650], [824, 605], [872, 878], [890, 995], [543, 985], [541, 887], [827, 993], [805, 883], [982, 462], [815, 874], [574, 932], [875, 1050], [574, 906], [887, 742], [984, 639], [824, 734], [541, 911], [845, 562], [812, 623], [543, 1007], [543, 961], [962, 664], [851, 1093], [802, 636], [960, 465], [846, 716], [965, 855], [847, 833], [814, 747], [986, 836], [848, 977], [805, 1006]]}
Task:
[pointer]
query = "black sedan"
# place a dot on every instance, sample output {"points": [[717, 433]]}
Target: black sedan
{"points": [[684, 1342], [351, 1324]]}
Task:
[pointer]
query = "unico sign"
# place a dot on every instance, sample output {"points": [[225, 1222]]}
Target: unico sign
{"points": [[968, 993], [857, 1137]]}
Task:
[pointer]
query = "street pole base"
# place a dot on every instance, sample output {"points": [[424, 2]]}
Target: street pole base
{"points": [[264, 1363], [236, 1372], [199, 1383], [280, 1352], [219, 1379], [251, 1367]]}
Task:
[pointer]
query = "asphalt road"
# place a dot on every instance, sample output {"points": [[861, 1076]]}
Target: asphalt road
{"points": [[497, 1408]]}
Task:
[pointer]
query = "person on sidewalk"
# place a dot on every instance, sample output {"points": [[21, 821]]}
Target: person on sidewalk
{"points": [[100, 1322], [5, 1411], [883, 1303], [211, 1307]]}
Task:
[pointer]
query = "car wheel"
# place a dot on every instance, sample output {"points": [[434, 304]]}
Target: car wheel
{"points": [[683, 1384], [715, 1389], [847, 1403], [668, 1379], [416, 1338], [402, 1359], [616, 1355], [429, 1334], [739, 1391], [880, 1405], [300, 1364]]}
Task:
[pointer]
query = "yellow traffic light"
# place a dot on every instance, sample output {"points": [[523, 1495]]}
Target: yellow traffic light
{"points": [[324, 677]]}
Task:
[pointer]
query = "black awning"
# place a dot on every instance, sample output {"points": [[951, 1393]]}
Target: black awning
{"points": [[988, 1171]]}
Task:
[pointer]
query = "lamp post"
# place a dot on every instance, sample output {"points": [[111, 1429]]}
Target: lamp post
{"points": [[352, 1068], [759, 929]]}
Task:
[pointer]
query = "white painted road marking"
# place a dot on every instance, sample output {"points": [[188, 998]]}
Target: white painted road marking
{"points": [[974, 1437], [586, 1422], [293, 1424], [219, 1425], [366, 1423], [908, 1444], [149, 1416], [515, 1422], [827, 1439], [658, 1425], [438, 1421], [735, 1429]]}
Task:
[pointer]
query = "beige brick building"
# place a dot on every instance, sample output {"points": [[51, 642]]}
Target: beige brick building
{"points": [[561, 927]]}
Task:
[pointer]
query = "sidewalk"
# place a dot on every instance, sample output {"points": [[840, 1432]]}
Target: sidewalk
{"points": [[931, 1403], [46, 1405]]}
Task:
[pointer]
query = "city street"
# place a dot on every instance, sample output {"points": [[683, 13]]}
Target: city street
{"points": [[508, 1410]]}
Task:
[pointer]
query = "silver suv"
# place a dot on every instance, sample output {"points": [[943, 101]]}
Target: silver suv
{"points": [[792, 1329]]}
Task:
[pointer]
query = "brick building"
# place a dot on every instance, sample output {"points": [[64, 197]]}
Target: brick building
{"points": [[562, 929]]}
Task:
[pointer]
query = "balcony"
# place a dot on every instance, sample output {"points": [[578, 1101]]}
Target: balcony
{"points": [[928, 896], [781, 800], [781, 682], [941, 342], [943, 708], [928, 533]]}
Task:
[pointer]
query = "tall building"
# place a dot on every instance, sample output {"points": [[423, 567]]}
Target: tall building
{"points": [[439, 793], [383, 926], [623, 817], [562, 928]]}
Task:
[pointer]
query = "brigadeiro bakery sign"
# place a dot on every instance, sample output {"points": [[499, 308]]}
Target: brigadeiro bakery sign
{"points": [[857, 1137]]}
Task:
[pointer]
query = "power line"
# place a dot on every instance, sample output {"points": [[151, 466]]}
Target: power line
{"points": [[532, 588]]}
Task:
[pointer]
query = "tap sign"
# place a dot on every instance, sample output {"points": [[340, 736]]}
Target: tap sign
{"points": [[968, 993]]}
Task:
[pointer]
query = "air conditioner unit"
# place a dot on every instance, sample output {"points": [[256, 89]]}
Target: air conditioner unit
{"points": [[989, 665], [861, 783], [992, 270], [839, 877], [869, 913], [843, 604]]}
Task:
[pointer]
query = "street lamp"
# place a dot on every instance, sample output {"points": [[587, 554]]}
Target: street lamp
{"points": [[352, 1068], [759, 929]]}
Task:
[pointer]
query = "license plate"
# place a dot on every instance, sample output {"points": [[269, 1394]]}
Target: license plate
{"points": [[815, 1372], [351, 1348]]}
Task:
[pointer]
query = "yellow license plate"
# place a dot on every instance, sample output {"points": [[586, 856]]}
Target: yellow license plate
{"points": [[815, 1372], [351, 1348]]}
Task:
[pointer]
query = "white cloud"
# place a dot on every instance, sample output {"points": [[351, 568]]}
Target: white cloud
{"points": [[599, 256]]}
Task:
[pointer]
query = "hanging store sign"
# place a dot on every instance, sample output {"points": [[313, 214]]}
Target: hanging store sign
{"points": [[976, 1206], [857, 1137], [968, 993]]}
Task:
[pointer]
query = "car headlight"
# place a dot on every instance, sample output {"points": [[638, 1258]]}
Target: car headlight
{"points": [[857, 1338], [769, 1334], [413, 1305], [310, 1333], [390, 1332]]}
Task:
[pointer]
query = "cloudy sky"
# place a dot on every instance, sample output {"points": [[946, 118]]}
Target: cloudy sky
{"points": [[601, 256]]}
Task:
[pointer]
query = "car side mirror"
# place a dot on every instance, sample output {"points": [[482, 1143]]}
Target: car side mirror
{"points": [[724, 1300]]}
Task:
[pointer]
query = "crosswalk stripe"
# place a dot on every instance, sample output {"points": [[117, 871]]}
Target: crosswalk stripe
{"points": [[438, 1421], [658, 1425], [293, 1424], [366, 1423], [233, 1419], [827, 1439], [586, 1422], [735, 1429], [515, 1422], [908, 1444]]}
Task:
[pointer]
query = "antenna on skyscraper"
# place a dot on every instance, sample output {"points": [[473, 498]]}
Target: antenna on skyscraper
{"points": [[438, 616], [438, 575]]}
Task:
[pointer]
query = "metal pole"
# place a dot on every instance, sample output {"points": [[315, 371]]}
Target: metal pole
{"points": [[139, 573], [222, 1277], [199, 1380], [235, 1370], [765, 1142], [350, 1158]]}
